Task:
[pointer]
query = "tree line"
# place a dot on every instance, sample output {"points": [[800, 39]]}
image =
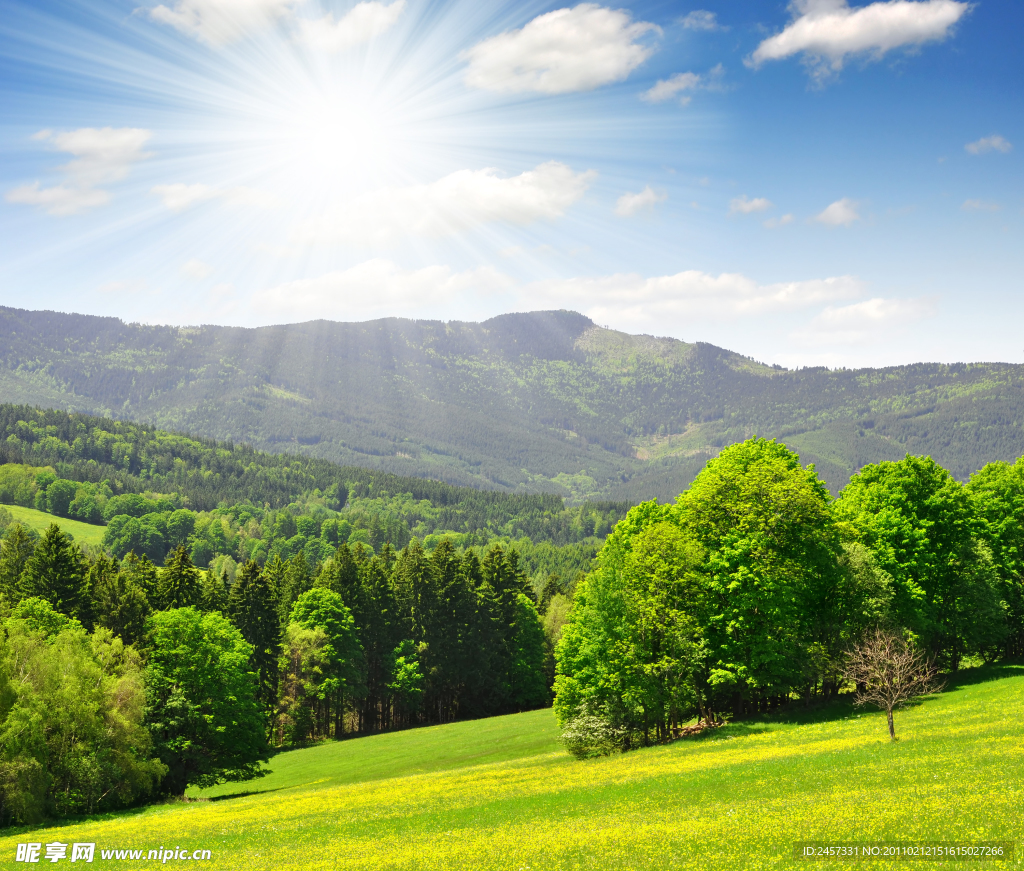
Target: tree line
{"points": [[96, 459], [121, 680], [749, 591]]}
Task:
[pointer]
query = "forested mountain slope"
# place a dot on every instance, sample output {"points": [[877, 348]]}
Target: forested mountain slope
{"points": [[545, 401]]}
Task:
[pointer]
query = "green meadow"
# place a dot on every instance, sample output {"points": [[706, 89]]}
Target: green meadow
{"points": [[82, 533], [501, 794]]}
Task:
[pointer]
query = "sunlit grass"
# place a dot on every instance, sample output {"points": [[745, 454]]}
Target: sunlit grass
{"points": [[83, 533], [500, 794]]}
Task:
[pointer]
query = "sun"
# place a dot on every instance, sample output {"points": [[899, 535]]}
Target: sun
{"points": [[335, 136]]}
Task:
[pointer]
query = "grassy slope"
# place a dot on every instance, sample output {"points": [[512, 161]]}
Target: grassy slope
{"points": [[83, 533], [498, 794]]}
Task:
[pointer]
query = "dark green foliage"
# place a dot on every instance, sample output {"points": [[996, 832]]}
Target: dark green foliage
{"points": [[142, 536], [292, 579], [179, 585], [213, 593], [120, 603], [56, 571], [202, 705], [253, 608], [143, 573], [17, 547], [528, 686]]}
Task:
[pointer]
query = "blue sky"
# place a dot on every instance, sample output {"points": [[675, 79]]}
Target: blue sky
{"points": [[819, 183]]}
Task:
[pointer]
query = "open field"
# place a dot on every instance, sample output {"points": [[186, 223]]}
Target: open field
{"points": [[500, 794], [83, 533]]}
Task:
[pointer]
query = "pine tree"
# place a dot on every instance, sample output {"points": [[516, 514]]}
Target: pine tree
{"points": [[377, 629], [446, 621], [119, 601], [56, 571], [340, 574], [253, 608], [15, 552], [142, 572], [498, 594], [293, 579], [179, 585], [213, 596]]}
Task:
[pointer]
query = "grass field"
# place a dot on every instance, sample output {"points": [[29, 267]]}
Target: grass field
{"points": [[83, 533], [500, 794]]}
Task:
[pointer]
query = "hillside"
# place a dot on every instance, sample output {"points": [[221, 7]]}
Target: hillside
{"points": [[539, 402], [499, 794], [244, 504]]}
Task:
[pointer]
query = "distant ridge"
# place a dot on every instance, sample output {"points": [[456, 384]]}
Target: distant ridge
{"points": [[536, 402]]}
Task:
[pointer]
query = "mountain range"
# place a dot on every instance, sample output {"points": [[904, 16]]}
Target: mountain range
{"points": [[532, 402]]}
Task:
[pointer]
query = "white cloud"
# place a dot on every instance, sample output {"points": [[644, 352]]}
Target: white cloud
{"points": [[379, 287], [629, 204], [196, 269], [101, 155], [376, 287], [745, 206], [631, 298], [178, 197], [986, 144], [772, 223], [59, 200], [576, 49], [221, 21], [980, 206], [701, 19], [360, 24], [872, 320], [458, 201], [828, 32], [842, 213], [666, 89]]}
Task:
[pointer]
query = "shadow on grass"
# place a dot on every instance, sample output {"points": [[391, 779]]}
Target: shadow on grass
{"points": [[983, 674], [842, 707], [242, 794], [742, 729]]}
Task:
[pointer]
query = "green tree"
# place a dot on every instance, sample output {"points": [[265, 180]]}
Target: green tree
{"points": [[178, 585], [252, 606], [303, 668], [997, 491], [772, 551], [921, 527], [59, 496], [376, 618], [293, 578], [72, 740], [528, 686], [120, 603], [15, 551], [202, 704], [126, 534], [342, 656], [213, 594], [56, 571], [142, 572], [630, 654]]}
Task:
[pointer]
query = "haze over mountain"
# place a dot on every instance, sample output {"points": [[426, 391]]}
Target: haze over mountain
{"points": [[544, 401]]}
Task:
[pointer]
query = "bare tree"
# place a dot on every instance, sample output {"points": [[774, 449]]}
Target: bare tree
{"points": [[889, 672]]}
